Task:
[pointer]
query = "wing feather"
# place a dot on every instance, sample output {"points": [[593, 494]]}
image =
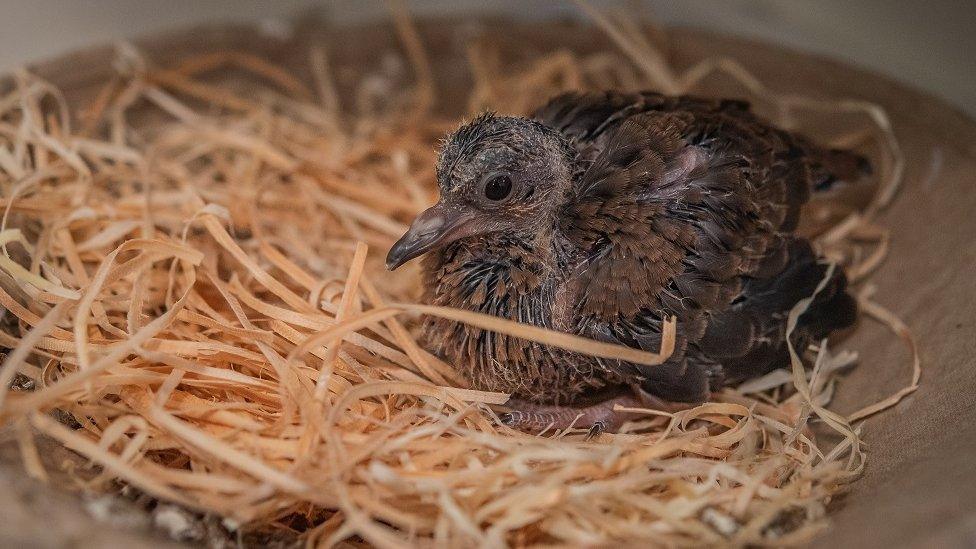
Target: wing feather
{"points": [[680, 205]]}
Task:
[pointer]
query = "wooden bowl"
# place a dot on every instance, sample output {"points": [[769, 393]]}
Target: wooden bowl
{"points": [[918, 487]]}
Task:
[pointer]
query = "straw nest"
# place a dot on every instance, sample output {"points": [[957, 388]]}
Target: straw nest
{"points": [[192, 279]]}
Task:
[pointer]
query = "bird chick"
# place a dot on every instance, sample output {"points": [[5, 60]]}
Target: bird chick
{"points": [[602, 215]]}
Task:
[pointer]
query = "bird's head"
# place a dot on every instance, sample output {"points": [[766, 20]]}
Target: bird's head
{"points": [[495, 174]]}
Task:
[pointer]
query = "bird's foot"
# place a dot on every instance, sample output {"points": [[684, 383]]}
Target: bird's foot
{"points": [[595, 431], [597, 418]]}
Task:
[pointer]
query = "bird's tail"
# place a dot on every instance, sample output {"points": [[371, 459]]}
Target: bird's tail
{"points": [[840, 185], [836, 167]]}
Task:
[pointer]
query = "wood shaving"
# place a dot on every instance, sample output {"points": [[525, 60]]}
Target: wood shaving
{"points": [[202, 291]]}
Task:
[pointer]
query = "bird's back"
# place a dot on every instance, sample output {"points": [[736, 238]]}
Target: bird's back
{"points": [[685, 206]]}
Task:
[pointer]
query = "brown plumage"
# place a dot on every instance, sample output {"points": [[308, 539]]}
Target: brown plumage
{"points": [[604, 214]]}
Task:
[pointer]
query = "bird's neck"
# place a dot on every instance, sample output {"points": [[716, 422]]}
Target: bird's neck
{"points": [[511, 275]]}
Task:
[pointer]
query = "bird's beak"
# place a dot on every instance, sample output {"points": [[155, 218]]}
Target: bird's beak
{"points": [[435, 226]]}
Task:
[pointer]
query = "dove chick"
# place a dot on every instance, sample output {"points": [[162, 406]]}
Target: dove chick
{"points": [[602, 215]]}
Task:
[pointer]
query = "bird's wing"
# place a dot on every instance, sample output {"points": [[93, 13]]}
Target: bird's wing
{"points": [[629, 248], [587, 119], [680, 206]]}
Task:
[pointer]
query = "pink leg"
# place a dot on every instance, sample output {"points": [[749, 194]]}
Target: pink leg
{"points": [[599, 417]]}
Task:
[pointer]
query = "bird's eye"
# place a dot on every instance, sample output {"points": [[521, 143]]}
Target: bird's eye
{"points": [[498, 187]]}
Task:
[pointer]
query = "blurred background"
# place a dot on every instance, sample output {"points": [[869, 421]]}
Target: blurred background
{"points": [[927, 44]]}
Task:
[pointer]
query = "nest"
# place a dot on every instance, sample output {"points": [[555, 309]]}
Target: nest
{"points": [[192, 276]]}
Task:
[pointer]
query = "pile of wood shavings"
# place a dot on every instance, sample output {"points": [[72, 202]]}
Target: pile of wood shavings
{"points": [[192, 288]]}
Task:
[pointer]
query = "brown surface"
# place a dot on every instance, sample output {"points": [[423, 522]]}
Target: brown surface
{"points": [[918, 488], [34, 515]]}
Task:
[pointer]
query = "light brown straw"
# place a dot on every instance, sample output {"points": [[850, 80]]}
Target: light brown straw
{"points": [[193, 289]]}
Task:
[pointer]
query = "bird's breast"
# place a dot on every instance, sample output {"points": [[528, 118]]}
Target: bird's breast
{"points": [[513, 286], [486, 280]]}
